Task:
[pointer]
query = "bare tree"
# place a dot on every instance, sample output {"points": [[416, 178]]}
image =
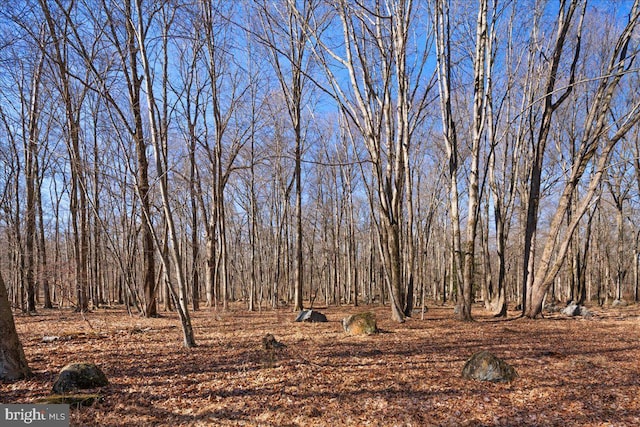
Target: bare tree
{"points": [[225, 94], [385, 99], [127, 52], [507, 131], [22, 117], [72, 98], [565, 20], [190, 94], [482, 68], [42, 240], [619, 190], [99, 79], [636, 248], [284, 32], [31, 148], [158, 142], [601, 133], [13, 363], [444, 67]]}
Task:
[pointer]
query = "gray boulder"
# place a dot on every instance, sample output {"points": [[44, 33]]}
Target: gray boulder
{"points": [[77, 376], [573, 310], [311, 316], [484, 366], [584, 312]]}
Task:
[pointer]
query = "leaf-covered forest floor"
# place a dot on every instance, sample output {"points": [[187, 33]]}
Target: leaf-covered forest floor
{"points": [[572, 371]]}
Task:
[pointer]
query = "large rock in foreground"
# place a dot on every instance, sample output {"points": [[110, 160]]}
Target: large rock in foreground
{"points": [[76, 376], [360, 324], [484, 366], [311, 316]]}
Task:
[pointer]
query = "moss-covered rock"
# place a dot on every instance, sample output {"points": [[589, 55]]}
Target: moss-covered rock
{"points": [[484, 366], [360, 324], [77, 376]]}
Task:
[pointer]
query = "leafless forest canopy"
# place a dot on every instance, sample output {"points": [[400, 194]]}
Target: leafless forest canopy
{"points": [[171, 154]]}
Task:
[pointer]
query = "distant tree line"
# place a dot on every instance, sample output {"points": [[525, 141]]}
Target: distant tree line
{"points": [[165, 155]]}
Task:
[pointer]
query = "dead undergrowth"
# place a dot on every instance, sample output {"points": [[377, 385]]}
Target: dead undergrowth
{"points": [[572, 371]]}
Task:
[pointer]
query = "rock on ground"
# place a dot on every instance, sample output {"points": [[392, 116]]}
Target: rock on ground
{"points": [[360, 324], [484, 366], [269, 342], [574, 309], [311, 316], [77, 376]]}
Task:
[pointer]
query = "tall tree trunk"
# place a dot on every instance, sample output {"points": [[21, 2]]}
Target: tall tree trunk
{"points": [[221, 226], [392, 260], [299, 273], [443, 50], [620, 252], [565, 19], [31, 180], [292, 49], [636, 249], [482, 71], [42, 250], [150, 308], [636, 268], [210, 270], [160, 154], [195, 241], [221, 155], [253, 221], [13, 363]]}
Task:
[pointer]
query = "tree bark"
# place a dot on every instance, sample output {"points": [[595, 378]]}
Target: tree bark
{"points": [[30, 171], [13, 363], [144, 192]]}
